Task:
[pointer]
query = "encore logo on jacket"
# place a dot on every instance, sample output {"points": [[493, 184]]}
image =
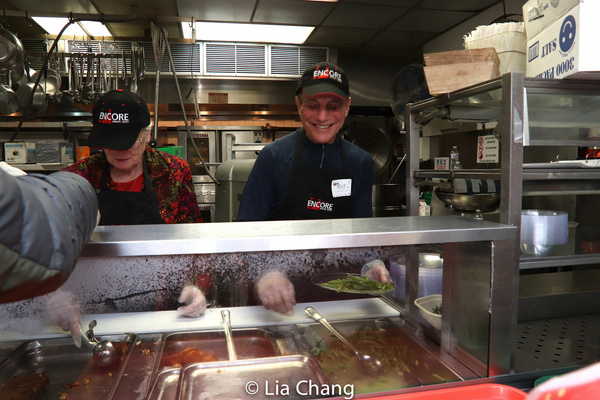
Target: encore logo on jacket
{"points": [[318, 205], [109, 117]]}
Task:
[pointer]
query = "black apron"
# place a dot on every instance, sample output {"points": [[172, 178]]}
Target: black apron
{"points": [[310, 194], [129, 208]]}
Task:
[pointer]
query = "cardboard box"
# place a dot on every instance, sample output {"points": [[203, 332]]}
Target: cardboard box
{"points": [[452, 70], [538, 14], [568, 46]]}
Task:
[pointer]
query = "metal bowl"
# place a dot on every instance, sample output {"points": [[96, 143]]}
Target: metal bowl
{"points": [[469, 202], [536, 249], [542, 229]]}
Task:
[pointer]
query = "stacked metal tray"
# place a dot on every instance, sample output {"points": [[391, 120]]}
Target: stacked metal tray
{"points": [[259, 362]]}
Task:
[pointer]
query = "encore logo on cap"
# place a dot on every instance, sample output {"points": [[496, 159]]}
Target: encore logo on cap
{"points": [[109, 117], [327, 74]]}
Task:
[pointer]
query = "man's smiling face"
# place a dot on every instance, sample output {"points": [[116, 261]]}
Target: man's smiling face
{"points": [[322, 116]]}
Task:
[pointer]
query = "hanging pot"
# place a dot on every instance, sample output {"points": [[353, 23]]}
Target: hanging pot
{"points": [[11, 50], [8, 100], [19, 76], [50, 82], [38, 104]]}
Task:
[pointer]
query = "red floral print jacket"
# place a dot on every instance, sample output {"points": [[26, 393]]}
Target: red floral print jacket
{"points": [[171, 179]]}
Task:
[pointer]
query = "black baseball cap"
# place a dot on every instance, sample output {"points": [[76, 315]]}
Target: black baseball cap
{"points": [[119, 116], [324, 77]]}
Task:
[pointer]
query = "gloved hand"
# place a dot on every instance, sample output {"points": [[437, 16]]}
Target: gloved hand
{"points": [[194, 299], [276, 292], [64, 310], [377, 271]]}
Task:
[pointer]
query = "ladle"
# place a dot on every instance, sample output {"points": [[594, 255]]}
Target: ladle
{"points": [[103, 352], [370, 365]]}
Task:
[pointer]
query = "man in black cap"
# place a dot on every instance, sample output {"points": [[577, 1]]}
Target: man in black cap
{"points": [[312, 173]]}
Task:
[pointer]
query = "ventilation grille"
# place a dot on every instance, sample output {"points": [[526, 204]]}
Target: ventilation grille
{"points": [[293, 60], [235, 59], [197, 59], [35, 51]]}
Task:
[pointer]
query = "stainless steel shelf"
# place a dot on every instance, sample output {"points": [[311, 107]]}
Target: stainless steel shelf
{"points": [[533, 262], [536, 181], [548, 344]]}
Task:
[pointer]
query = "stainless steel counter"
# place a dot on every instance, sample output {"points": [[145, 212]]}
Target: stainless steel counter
{"points": [[228, 237]]}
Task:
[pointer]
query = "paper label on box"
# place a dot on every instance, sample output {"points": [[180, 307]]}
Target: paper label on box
{"points": [[554, 53], [487, 149], [538, 14]]}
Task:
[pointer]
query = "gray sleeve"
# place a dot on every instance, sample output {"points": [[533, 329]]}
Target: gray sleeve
{"points": [[47, 218]]}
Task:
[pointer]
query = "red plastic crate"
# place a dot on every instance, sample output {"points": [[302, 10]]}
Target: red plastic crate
{"points": [[483, 391]]}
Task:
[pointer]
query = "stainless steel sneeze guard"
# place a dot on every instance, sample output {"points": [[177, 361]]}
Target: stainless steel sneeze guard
{"points": [[227, 237]]}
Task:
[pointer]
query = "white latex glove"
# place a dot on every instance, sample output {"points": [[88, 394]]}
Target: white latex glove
{"points": [[64, 310], [377, 271], [194, 299], [276, 292]]}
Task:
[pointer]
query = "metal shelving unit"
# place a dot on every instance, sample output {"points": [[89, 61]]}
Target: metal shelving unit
{"points": [[528, 112]]}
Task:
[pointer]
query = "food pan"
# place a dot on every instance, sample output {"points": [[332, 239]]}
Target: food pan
{"points": [[165, 385], [249, 343], [66, 367], [407, 363], [284, 377]]}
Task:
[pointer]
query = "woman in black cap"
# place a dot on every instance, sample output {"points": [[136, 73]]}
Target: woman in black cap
{"points": [[135, 184]]}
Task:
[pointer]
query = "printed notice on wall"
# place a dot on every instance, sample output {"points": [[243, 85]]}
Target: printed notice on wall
{"points": [[488, 149]]}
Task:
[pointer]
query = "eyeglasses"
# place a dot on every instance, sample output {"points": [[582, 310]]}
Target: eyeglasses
{"points": [[136, 144]]}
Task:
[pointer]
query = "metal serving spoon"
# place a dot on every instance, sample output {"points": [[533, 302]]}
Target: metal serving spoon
{"points": [[228, 335], [103, 352], [367, 363]]}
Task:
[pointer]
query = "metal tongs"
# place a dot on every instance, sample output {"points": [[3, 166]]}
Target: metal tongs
{"points": [[103, 352]]}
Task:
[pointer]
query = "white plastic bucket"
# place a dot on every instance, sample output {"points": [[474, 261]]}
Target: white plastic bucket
{"points": [[430, 278]]}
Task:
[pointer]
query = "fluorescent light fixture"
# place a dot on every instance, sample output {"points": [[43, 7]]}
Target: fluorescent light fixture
{"points": [[95, 28], [53, 25], [254, 33]]}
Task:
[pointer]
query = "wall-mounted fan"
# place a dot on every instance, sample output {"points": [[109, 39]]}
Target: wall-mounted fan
{"points": [[409, 86]]}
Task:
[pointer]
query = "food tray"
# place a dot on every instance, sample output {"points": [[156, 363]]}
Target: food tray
{"points": [[250, 379], [249, 343], [484, 391], [165, 384], [407, 363], [66, 366]]}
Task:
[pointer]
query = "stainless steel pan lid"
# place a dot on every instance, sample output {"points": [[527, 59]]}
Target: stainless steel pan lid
{"points": [[11, 50]]}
